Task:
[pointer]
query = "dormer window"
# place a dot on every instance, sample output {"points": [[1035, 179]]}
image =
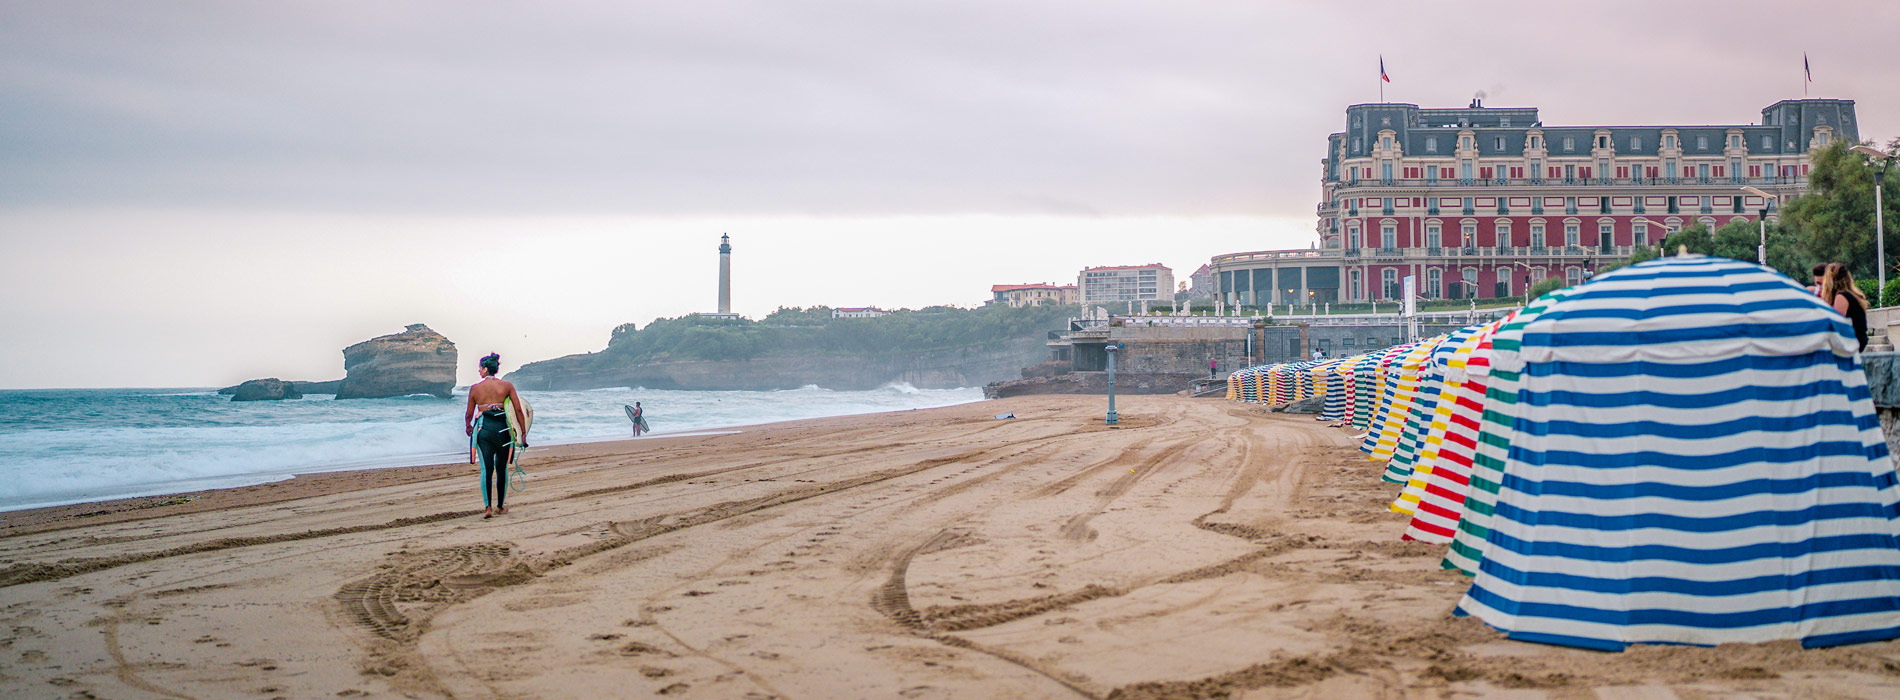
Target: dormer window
{"points": [[1570, 144], [1767, 143], [1701, 143], [1735, 141], [1431, 144], [1504, 121], [1603, 142], [1385, 142], [1636, 143], [1669, 141], [1465, 143], [1497, 142]]}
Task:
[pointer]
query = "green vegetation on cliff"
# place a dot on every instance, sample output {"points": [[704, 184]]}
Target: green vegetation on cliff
{"points": [[812, 331]]}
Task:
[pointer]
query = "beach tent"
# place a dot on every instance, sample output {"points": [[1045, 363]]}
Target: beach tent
{"points": [[1448, 367], [1365, 379], [1413, 436], [1379, 428], [1405, 395], [1330, 376], [1695, 460], [1494, 437]]}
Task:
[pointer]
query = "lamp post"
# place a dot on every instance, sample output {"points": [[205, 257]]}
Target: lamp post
{"points": [[1762, 252], [1527, 280], [1880, 237], [1113, 418], [1651, 222]]}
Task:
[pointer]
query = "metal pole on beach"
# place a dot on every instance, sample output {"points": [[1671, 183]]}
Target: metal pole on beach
{"points": [[1113, 418]]}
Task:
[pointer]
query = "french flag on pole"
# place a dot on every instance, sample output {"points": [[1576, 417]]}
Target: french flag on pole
{"points": [[1387, 78]]}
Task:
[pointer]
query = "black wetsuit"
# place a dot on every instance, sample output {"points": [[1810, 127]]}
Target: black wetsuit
{"points": [[495, 443]]}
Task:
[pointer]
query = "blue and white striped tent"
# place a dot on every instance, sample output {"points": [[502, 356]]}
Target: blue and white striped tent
{"points": [[1695, 459]]}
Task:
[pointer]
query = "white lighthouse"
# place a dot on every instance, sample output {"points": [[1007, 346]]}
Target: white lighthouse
{"points": [[725, 275], [725, 281]]}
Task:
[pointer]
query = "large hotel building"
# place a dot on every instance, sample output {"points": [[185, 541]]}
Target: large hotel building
{"points": [[1485, 201]]}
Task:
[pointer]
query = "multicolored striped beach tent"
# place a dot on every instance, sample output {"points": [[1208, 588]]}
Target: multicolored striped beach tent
{"points": [[1694, 459]]}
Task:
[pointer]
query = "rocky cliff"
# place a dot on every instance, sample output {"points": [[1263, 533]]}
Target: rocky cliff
{"points": [[415, 361], [934, 370]]}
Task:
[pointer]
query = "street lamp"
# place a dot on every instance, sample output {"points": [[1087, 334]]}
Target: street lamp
{"points": [[1113, 418], [1762, 252], [1880, 238], [1527, 280], [1650, 222]]}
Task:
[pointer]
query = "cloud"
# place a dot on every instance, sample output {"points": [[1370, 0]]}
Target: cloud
{"points": [[1116, 108]]}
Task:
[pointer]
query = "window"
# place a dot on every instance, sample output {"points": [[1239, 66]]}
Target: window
{"points": [[1388, 236], [1352, 237], [1468, 236], [1606, 235], [1471, 283], [1701, 142], [1390, 278], [1603, 142], [1354, 291], [1570, 234], [1669, 141], [1537, 235], [1622, 172], [1502, 234], [1570, 144], [1385, 171], [1484, 172], [1355, 144], [1573, 276], [1434, 284], [1735, 141], [1497, 142], [1432, 235], [1537, 142], [1639, 233], [1517, 172], [1636, 143], [1767, 143], [1385, 142], [1431, 144], [1464, 142]]}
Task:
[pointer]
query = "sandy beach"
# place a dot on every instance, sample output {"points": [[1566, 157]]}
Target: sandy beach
{"points": [[1202, 550]]}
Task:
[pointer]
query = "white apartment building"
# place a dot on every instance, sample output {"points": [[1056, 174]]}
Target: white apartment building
{"points": [[1152, 282]]}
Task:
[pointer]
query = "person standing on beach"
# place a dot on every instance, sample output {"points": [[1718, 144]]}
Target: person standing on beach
{"points": [[639, 417], [1838, 290], [486, 422], [1213, 367]]}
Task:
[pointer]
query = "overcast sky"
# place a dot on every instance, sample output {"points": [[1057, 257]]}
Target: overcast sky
{"points": [[197, 193]]}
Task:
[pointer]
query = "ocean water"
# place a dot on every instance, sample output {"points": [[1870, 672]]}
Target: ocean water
{"points": [[79, 445]]}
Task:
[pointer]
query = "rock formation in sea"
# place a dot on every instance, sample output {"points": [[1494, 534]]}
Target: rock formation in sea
{"points": [[415, 361], [272, 389], [302, 387]]}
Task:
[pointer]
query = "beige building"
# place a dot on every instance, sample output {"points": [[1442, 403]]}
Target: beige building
{"points": [[1154, 282], [1020, 295]]}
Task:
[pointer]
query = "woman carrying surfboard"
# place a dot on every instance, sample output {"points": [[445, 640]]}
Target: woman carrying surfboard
{"points": [[496, 421]]}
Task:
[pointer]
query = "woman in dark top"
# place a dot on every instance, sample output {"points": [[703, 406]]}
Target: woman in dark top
{"points": [[1838, 290]]}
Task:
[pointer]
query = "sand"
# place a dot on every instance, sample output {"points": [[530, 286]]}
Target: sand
{"points": [[1202, 550]]}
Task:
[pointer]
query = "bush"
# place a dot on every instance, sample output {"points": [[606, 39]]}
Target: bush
{"points": [[1550, 284], [1871, 289], [1890, 297]]}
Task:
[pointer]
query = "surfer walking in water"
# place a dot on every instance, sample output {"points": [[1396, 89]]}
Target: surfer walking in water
{"points": [[489, 426]]}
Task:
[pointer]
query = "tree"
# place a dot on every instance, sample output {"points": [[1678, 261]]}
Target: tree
{"points": [[1550, 284], [1835, 218]]}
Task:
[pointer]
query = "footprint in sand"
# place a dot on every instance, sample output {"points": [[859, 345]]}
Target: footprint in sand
{"points": [[655, 672], [674, 689]]}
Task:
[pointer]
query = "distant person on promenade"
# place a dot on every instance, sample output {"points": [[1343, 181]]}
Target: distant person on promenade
{"points": [[1317, 354], [1213, 368], [487, 423], [1838, 290]]}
